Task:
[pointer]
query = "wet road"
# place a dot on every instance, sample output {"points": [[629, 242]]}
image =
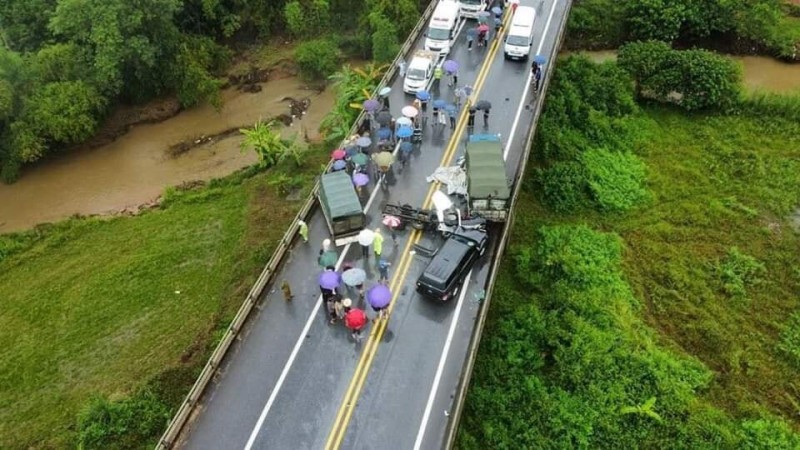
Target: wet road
{"points": [[282, 385]]}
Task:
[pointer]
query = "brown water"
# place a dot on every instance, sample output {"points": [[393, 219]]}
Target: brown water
{"points": [[760, 73], [136, 167]]}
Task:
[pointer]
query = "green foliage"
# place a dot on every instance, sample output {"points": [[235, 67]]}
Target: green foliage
{"points": [[190, 75], [23, 23], [63, 112], [767, 434], [61, 62], [596, 25], [563, 186], [268, 143], [790, 339], [385, 43], [694, 79], [655, 19], [307, 18], [615, 179], [106, 424], [317, 59], [353, 86], [738, 271]]}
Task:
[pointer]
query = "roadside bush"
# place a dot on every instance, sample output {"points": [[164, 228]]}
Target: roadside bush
{"points": [[737, 272], [385, 43], [563, 186], [693, 79], [615, 179], [106, 424], [317, 59], [307, 18], [790, 339], [596, 25], [768, 434]]}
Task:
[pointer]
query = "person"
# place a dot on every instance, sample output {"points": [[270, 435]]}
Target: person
{"points": [[383, 268], [471, 117], [481, 38], [486, 117], [437, 76], [443, 119], [435, 115], [498, 23], [287, 290], [330, 302], [452, 115], [536, 71], [302, 228], [365, 251], [393, 232], [455, 78], [326, 245], [470, 38], [339, 307], [401, 65], [377, 244], [355, 319]]}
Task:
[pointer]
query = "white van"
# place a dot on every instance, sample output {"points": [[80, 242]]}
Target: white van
{"points": [[471, 8], [442, 27], [519, 39]]}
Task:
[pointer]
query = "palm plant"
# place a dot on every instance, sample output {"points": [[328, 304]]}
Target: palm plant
{"points": [[645, 409], [268, 143]]}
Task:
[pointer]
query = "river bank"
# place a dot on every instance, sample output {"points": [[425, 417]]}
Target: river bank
{"points": [[136, 168]]}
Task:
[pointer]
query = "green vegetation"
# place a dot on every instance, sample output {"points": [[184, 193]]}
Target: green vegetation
{"points": [[677, 325], [353, 85], [107, 322], [769, 26]]}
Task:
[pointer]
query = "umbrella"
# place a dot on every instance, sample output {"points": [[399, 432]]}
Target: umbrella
{"points": [[540, 59], [339, 153], [498, 11], [383, 158], [339, 164], [360, 159], [366, 236], [450, 66], [328, 258], [404, 132], [355, 319], [467, 90], [404, 121], [371, 105], [350, 151], [384, 133], [329, 279], [423, 95], [450, 108], [379, 296], [384, 91], [354, 276], [483, 16], [406, 147], [384, 118], [391, 221], [363, 142], [439, 103], [483, 28], [360, 179], [484, 105], [409, 111]]}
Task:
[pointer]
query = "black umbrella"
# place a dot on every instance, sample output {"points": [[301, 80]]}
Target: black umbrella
{"points": [[483, 104], [384, 118]]}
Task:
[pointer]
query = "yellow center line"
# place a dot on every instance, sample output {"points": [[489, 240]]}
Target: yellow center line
{"points": [[347, 407]]}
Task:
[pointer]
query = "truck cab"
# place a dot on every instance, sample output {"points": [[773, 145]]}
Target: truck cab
{"points": [[488, 189], [470, 8], [442, 279], [442, 27], [419, 72], [341, 207]]}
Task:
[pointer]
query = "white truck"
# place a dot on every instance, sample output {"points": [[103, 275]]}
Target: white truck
{"points": [[471, 8], [419, 71], [442, 27]]}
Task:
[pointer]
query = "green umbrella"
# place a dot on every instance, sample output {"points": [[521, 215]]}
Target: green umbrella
{"points": [[383, 159], [328, 258], [360, 159]]}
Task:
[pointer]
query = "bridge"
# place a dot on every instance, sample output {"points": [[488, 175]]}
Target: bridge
{"points": [[284, 378]]}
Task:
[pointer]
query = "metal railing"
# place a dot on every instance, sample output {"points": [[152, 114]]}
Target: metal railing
{"points": [[180, 419], [477, 332]]}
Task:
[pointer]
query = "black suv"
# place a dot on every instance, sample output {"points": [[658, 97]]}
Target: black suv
{"points": [[446, 271]]}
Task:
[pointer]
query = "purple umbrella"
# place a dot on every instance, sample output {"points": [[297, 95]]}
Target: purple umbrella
{"points": [[360, 179], [371, 105], [379, 296], [363, 142], [329, 279], [450, 66]]}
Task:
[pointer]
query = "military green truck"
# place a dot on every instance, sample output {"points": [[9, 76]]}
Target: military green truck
{"points": [[341, 207], [488, 189]]}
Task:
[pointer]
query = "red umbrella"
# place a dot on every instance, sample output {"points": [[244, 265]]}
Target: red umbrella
{"points": [[339, 153], [355, 319], [483, 28]]}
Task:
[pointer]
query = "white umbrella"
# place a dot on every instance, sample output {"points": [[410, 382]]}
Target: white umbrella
{"points": [[409, 111], [403, 121], [366, 237]]}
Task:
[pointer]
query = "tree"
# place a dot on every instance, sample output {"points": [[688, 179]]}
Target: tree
{"points": [[23, 23], [385, 45], [308, 18], [268, 143], [317, 59]]}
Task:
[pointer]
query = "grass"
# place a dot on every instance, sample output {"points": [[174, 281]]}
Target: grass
{"points": [[102, 306], [719, 183]]}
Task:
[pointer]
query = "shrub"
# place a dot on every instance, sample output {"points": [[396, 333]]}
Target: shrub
{"points": [[596, 24], [738, 271], [563, 186], [317, 59], [616, 179], [790, 339], [768, 434], [308, 18], [106, 424], [385, 44]]}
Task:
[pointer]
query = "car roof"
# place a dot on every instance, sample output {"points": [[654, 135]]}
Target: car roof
{"points": [[445, 261]]}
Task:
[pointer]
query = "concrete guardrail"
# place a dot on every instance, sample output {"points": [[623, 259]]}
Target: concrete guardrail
{"points": [[168, 439], [477, 332]]}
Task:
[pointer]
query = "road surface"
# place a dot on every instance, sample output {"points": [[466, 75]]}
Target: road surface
{"points": [[293, 381]]}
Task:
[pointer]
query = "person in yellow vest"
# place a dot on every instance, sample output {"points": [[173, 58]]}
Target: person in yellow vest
{"points": [[437, 77], [377, 244]]}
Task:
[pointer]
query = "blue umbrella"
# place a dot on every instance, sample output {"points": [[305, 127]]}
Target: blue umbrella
{"points": [[498, 11], [384, 133], [351, 150], [406, 147], [379, 296], [363, 142], [339, 164], [423, 95], [472, 32], [384, 91], [439, 103], [540, 59], [354, 276], [450, 66], [404, 132], [329, 279]]}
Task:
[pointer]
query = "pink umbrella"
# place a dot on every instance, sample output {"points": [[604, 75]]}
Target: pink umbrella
{"points": [[339, 153], [391, 221], [483, 28]]}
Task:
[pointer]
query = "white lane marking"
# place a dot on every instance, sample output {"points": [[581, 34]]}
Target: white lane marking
{"points": [[442, 360], [300, 340], [528, 84]]}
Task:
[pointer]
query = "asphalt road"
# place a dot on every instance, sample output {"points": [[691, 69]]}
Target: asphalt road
{"points": [[282, 384]]}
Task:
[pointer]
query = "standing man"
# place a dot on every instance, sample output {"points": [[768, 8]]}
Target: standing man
{"points": [[486, 117], [377, 244], [471, 117], [401, 67]]}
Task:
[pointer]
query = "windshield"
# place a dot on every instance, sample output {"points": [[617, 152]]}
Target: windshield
{"points": [[438, 34], [520, 41], [471, 2], [416, 74]]}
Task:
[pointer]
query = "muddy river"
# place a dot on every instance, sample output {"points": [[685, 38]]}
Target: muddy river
{"points": [[135, 168]]}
